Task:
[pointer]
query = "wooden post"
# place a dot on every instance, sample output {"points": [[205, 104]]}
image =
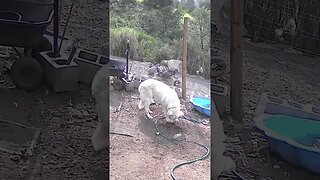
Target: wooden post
{"points": [[236, 59], [184, 58]]}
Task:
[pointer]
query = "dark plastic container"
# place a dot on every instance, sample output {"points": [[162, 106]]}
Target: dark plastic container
{"points": [[23, 22], [116, 67]]}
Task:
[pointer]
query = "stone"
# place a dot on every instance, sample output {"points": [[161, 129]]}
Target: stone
{"points": [[14, 157], [276, 166]]}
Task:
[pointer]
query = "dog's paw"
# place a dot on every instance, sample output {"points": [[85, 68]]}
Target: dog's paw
{"points": [[99, 138], [149, 116], [140, 105], [99, 152], [170, 121], [98, 143]]}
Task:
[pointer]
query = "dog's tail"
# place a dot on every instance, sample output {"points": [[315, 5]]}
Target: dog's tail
{"points": [[99, 137]]}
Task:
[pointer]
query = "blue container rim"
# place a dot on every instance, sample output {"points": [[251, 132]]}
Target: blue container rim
{"points": [[260, 124]]}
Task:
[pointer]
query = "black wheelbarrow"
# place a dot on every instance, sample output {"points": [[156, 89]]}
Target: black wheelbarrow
{"points": [[117, 67], [22, 24]]}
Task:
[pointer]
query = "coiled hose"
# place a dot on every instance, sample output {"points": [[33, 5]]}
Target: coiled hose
{"points": [[186, 162]]}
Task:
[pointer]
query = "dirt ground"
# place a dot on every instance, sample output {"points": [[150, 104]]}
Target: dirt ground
{"points": [[67, 120], [146, 155], [286, 75], [64, 150]]}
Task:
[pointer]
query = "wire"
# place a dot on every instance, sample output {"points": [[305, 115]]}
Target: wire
{"points": [[121, 134], [185, 162], [264, 18]]}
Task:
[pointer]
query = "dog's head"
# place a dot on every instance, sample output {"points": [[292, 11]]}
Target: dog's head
{"points": [[175, 113]]}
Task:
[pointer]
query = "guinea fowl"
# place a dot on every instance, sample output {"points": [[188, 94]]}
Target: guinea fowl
{"points": [[152, 70]]}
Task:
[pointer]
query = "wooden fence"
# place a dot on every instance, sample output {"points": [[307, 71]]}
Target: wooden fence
{"points": [[262, 17]]}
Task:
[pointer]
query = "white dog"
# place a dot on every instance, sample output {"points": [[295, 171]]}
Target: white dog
{"points": [[162, 94], [99, 90]]}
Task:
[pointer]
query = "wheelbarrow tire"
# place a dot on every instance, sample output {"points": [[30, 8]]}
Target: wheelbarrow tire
{"points": [[26, 73], [44, 45], [118, 84]]}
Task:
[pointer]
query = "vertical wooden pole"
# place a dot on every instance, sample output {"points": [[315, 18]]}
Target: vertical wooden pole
{"points": [[184, 58], [236, 59]]}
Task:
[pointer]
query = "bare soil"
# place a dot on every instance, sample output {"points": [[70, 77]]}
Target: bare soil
{"points": [[64, 150], [267, 68], [67, 120], [150, 156]]}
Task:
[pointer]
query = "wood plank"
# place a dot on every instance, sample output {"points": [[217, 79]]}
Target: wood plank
{"points": [[236, 59]]}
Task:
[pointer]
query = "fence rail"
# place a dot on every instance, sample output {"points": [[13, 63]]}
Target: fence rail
{"points": [[263, 17]]}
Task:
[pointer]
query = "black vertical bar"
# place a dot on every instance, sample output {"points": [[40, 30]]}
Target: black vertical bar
{"points": [[56, 28], [66, 25], [127, 66]]}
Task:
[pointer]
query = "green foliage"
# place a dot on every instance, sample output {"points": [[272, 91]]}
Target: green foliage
{"points": [[200, 27], [198, 58], [204, 4], [155, 30], [141, 45], [156, 4], [165, 51], [189, 5]]}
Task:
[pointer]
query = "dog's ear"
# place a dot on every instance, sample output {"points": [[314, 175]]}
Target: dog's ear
{"points": [[170, 112], [181, 113]]}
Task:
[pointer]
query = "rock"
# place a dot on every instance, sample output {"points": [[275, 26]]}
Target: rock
{"points": [[172, 64], [276, 166], [86, 113], [177, 136], [74, 112], [15, 158]]}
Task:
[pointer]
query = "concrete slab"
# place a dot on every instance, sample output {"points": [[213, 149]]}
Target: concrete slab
{"points": [[220, 95], [117, 128], [89, 63], [58, 76]]}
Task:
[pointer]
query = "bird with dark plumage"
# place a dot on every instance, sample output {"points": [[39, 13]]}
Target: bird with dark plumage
{"points": [[152, 70]]}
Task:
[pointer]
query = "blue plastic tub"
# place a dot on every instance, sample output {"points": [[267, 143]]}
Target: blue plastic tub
{"points": [[292, 138], [202, 104]]}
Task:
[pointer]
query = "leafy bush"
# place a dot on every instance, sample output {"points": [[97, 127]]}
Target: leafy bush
{"points": [[155, 30], [143, 47], [198, 58]]}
